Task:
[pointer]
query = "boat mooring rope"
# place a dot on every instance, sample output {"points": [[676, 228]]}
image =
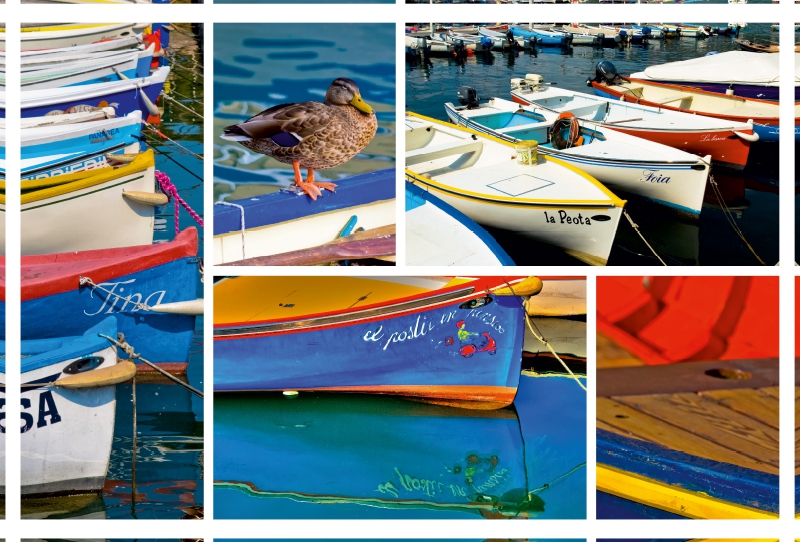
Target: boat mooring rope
{"points": [[171, 190], [167, 156], [555, 480], [128, 349], [541, 339], [189, 109], [636, 229], [133, 451], [241, 212], [160, 134], [729, 216]]}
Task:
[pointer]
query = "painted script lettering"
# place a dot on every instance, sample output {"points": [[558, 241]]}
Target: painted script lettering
{"points": [[654, 177], [565, 218]]}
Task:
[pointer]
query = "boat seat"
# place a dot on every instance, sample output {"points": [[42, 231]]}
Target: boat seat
{"points": [[521, 127], [675, 98], [428, 154], [584, 110]]}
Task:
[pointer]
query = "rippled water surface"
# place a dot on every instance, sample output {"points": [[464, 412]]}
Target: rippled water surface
{"points": [[752, 194], [257, 66], [337, 456]]}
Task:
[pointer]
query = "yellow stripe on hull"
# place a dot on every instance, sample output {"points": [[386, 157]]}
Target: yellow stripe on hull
{"points": [[675, 500]]}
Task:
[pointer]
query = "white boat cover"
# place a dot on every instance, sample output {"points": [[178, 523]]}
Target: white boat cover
{"points": [[740, 67]]}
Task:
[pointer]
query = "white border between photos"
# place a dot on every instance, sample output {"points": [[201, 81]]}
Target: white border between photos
{"points": [[785, 528]]}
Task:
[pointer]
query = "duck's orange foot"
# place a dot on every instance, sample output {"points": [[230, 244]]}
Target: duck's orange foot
{"points": [[326, 185], [311, 189]]}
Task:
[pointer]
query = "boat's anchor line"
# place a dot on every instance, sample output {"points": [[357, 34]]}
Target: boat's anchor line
{"points": [[171, 190], [729, 217], [128, 349], [635, 227], [241, 212]]}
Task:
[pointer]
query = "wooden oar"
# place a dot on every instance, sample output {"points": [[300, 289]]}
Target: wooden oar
{"points": [[376, 243]]}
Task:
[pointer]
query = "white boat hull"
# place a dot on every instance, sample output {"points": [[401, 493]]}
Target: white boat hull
{"points": [[92, 218], [34, 41], [66, 434]]}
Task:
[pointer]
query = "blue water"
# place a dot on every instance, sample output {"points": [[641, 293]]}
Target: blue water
{"points": [[751, 194], [297, 452], [169, 458], [257, 66]]}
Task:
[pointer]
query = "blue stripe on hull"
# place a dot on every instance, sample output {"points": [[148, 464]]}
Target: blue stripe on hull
{"points": [[127, 101], [613, 507], [731, 483], [420, 349], [158, 337]]}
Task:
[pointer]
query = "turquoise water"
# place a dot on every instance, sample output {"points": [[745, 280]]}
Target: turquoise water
{"points": [[335, 455], [169, 457], [751, 194], [257, 66]]}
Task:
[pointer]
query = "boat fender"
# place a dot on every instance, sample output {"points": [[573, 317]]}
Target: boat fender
{"points": [[124, 158], [99, 378], [566, 132], [146, 198], [752, 138], [193, 307], [525, 288]]}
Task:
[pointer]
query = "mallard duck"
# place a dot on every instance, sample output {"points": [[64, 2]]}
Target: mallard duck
{"points": [[312, 135]]}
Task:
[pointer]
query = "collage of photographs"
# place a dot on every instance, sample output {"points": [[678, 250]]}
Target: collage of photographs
{"points": [[426, 342]]}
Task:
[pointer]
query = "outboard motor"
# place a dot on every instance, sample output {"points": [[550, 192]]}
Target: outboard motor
{"points": [[646, 31], [468, 96], [601, 37], [510, 38], [459, 48], [603, 72], [487, 43]]}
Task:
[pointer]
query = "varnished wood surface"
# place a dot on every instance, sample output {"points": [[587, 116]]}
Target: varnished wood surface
{"points": [[736, 426]]}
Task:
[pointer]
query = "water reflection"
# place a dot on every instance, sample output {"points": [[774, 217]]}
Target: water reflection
{"points": [[368, 456]]}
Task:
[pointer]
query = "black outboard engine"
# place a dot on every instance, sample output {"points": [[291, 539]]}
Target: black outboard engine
{"points": [[603, 72], [512, 43], [468, 97], [459, 48]]}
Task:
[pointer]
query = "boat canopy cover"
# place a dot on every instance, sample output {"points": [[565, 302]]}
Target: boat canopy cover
{"points": [[40, 353], [740, 67]]}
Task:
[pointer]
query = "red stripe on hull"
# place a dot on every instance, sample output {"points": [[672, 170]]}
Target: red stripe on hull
{"points": [[724, 147], [474, 397], [50, 274]]}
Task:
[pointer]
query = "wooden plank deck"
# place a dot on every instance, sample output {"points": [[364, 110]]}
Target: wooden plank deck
{"points": [[737, 426]]}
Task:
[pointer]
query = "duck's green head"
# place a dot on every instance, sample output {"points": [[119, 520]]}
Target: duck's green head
{"points": [[344, 91]]}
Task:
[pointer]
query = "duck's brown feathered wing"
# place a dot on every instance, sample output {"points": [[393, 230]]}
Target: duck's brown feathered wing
{"points": [[299, 120]]}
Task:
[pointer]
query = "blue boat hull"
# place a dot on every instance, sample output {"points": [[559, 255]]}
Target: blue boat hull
{"points": [[126, 102], [159, 338], [419, 350]]}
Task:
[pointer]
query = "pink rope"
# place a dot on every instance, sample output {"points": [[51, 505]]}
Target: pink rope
{"points": [[169, 189]]}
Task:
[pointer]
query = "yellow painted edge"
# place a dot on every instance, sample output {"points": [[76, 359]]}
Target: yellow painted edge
{"points": [[64, 27], [634, 487], [613, 197], [73, 182], [504, 202]]}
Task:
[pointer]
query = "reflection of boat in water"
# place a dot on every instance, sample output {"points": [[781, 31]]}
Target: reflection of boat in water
{"points": [[374, 451], [451, 340], [86, 506]]}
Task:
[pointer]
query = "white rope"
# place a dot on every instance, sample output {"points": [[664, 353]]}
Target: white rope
{"points": [[636, 229], [86, 281], [542, 340], [729, 217], [241, 212]]}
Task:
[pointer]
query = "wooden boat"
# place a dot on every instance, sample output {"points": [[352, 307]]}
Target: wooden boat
{"points": [[579, 37], [501, 40], [103, 70], [653, 31], [439, 234], [90, 209], [753, 47], [71, 118], [683, 441], [453, 455], [53, 150], [285, 222], [415, 332], [764, 114], [604, 35], [629, 34], [70, 35], [124, 96], [149, 285], [692, 31], [751, 75], [70, 53], [659, 173], [540, 37], [727, 142], [68, 389], [550, 202]]}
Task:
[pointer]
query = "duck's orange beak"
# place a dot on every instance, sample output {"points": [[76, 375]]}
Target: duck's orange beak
{"points": [[361, 105]]}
